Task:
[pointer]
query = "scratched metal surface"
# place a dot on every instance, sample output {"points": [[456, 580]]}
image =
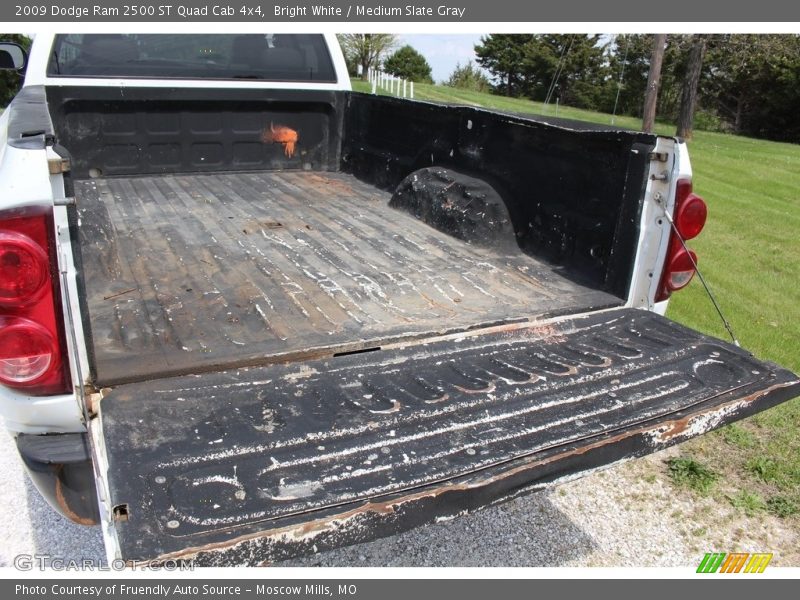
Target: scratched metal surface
{"points": [[188, 273], [225, 455]]}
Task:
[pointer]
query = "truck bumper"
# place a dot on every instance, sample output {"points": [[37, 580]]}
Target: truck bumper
{"points": [[61, 469]]}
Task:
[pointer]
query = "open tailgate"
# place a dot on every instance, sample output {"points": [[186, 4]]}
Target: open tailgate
{"points": [[265, 463]]}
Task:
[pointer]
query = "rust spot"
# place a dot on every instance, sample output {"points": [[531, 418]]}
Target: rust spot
{"points": [[442, 398], [674, 429], [571, 370], [281, 134], [606, 362], [64, 505], [337, 185], [486, 390], [128, 291]]}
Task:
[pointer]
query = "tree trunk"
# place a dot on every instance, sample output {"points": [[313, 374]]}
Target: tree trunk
{"points": [[737, 119], [653, 79], [366, 55], [689, 91]]}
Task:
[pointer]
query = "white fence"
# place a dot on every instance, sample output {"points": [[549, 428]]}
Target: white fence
{"points": [[395, 86]]}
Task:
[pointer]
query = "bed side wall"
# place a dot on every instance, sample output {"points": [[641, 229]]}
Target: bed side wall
{"points": [[132, 131], [573, 193]]}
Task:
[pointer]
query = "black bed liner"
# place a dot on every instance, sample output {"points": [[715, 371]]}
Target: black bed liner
{"points": [[265, 463], [202, 272]]}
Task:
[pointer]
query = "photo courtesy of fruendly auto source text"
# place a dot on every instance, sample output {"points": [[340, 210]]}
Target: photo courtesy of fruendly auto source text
{"points": [[398, 298]]}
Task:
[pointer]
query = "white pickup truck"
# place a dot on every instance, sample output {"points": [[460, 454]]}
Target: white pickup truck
{"points": [[246, 313]]}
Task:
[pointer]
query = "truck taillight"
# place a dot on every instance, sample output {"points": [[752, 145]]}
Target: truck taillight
{"points": [[32, 342], [27, 351], [689, 219], [690, 211], [680, 269], [23, 269]]}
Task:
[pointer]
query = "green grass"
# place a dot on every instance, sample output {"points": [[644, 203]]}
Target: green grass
{"points": [[783, 507], [764, 468], [751, 503], [691, 474], [448, 95], [738, 436], [749, 253]]}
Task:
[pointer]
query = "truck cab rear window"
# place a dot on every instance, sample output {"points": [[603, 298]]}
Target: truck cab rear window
{"points": [[265, 57]]}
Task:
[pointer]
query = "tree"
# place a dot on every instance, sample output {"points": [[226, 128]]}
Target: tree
{"points": [[542, 67], [468, 77], [366, 49], [629, 62], [653, 81], [746, 83], [408, 64], [572, 68], [501, 55], [630, 58], [752, 83], [10, 81], [689, 91]]}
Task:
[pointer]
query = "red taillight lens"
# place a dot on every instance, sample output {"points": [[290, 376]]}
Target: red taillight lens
{"points": [[24, 269], [689, 218], [32, 341], [690, 212], [680, 270], [27, 351]]}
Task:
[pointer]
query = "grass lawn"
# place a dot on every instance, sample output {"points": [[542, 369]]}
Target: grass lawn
{"points": [[749, 253]]}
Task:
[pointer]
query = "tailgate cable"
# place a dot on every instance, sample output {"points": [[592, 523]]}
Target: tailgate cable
{"points": [[702, 279]]}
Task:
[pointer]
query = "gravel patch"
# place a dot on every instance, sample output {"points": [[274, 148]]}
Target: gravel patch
{"points": [[628, 515]]}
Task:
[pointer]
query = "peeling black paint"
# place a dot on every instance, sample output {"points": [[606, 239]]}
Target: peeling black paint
{"points": [[448, 425], [460, 205]]}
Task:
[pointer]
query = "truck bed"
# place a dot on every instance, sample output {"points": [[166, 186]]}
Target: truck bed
{"points": [[203, 272]]}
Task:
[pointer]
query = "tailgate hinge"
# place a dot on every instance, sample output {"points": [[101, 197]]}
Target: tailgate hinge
{"points": [[658, 156]]}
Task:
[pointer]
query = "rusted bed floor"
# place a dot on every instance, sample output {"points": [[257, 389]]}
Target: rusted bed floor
{"points": [[192, 273]]}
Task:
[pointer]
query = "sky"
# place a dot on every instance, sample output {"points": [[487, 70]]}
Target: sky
{"points": [[443, 51]]}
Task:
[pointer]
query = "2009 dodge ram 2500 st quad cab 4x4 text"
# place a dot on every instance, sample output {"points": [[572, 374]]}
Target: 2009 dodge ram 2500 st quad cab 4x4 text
{"points": [[246, 313]]}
